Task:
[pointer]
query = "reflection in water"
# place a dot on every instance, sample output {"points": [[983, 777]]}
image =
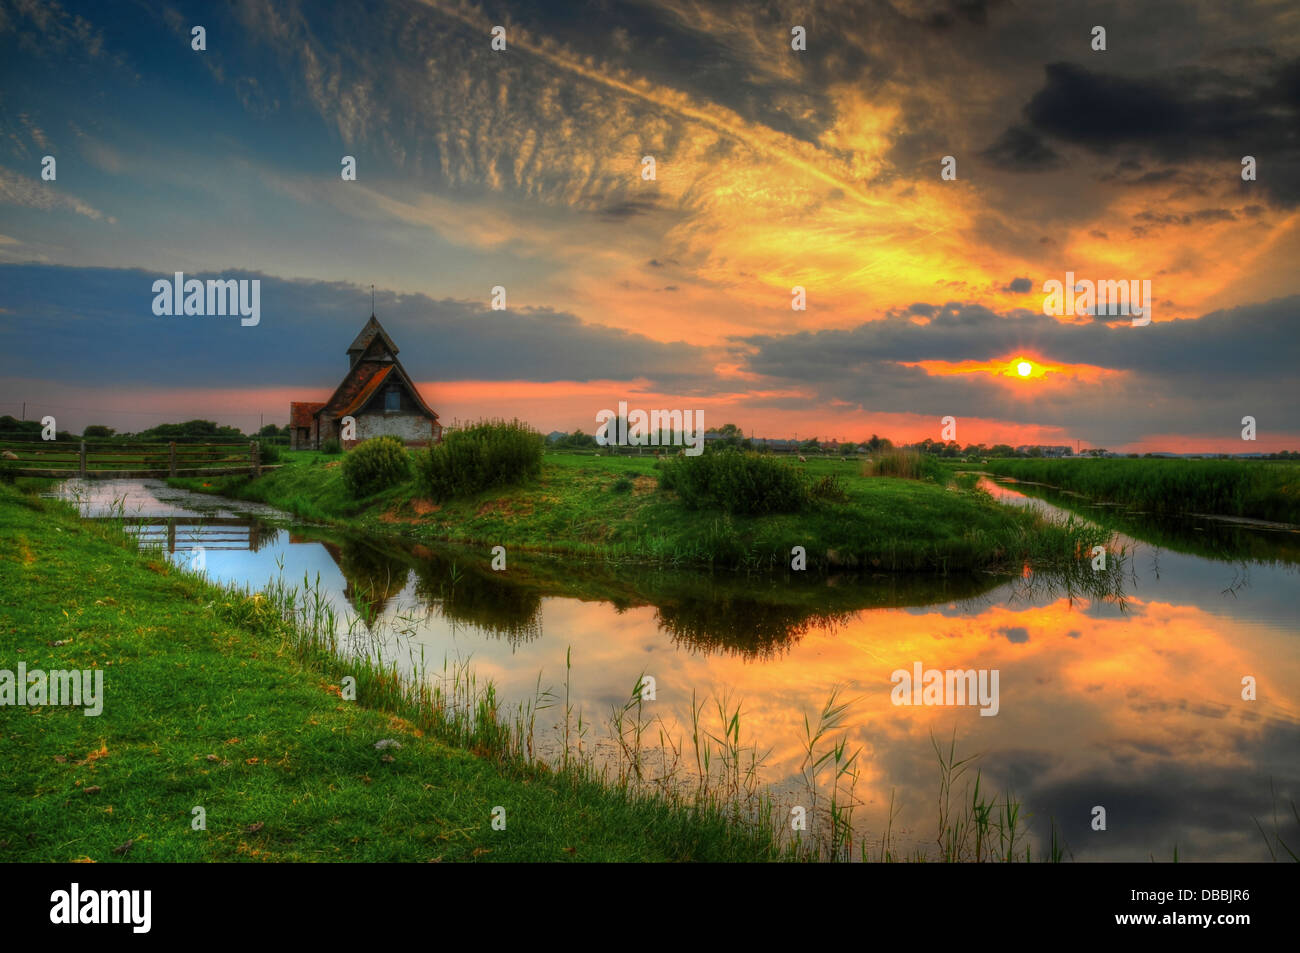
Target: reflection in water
{"points": [[741, 626], [233, 533], [1223, 539], [374, 576], [481, 599], [1133, 703]]}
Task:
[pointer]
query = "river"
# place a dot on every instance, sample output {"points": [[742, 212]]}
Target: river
{"points": [[1131, 702]]}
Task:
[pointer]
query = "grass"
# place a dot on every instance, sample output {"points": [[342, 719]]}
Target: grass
{"points": [[904, 464], [579, 507], [238, 703], [215, 700], [1221, 540], [1263, 490]]}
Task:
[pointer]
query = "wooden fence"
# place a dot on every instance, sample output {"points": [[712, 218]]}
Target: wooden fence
{"points": [[114, 461]]}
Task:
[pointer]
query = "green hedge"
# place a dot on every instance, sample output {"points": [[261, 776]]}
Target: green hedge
{"points": [[376, 465], [737, 482], [488, 454]]}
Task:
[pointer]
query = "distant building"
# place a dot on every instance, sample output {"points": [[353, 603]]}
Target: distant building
{"points": [[1061, 451], [376, 392]]}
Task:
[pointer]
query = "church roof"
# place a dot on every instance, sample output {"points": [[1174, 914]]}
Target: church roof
{"points": [[367, 391], [368, 333], [366, 375]]}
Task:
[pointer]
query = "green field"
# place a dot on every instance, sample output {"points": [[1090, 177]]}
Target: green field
{"points": [[1253, 489], [611, 508], [211, 701]]}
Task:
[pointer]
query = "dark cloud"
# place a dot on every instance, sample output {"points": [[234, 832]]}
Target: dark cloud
{"points": [[1019, 148], [1188, 218], [96, 326], [1180, 117], [1187, 376], [958, 12], [1019, 285], [628, 208]]}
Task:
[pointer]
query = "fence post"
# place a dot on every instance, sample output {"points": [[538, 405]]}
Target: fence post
{"points": [[256, 452], [171, 458], [83, 459]]}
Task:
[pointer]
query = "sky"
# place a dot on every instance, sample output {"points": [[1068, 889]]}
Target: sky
{"points": [[820, 168]]}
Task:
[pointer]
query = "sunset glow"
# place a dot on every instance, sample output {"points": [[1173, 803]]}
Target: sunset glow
{"points": [[782, 170], [664, 431], [1016, 368]]}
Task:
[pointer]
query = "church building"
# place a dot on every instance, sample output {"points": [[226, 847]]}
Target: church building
{"points": [[376, 393]]}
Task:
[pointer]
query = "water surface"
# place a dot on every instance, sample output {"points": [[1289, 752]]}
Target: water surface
{"points": [[1131, 702]]}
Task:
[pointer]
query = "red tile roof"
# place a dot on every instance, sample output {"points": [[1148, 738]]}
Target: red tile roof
{"points": [[301, 412], [374, 362], [367, 391]]}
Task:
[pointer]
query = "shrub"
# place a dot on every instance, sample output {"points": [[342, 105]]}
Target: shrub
{"points": [[737, 482], [268, 452], [621, 485], [487, 454], [906, 465], [830, 488], [332, 445], [375, 465]]}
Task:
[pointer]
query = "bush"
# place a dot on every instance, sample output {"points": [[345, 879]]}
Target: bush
{"points": [[487, 454], [621, 485], [268, 452], [737, 482], [375, 465], [906, 465], [830, 488], [331, 446]]}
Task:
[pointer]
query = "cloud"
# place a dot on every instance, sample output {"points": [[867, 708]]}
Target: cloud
{"points": [[97, 327], [1020, 148], [774, 169], [1187, 376], [1182, 117], [45, 28], [17, 189]]}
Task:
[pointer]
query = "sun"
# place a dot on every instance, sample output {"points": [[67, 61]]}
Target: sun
{"points": [[1024, 368]]}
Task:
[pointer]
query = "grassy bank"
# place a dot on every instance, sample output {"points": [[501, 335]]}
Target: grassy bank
{"points": [[214, 700], [611, 508], [1255, 490], [231, 702], [1222, 540]]}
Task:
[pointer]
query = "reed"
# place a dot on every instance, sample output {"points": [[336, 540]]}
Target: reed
{"points": [[1245, 488]]}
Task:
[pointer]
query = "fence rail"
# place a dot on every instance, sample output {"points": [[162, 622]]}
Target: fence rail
{"points": [[64, 459]]}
